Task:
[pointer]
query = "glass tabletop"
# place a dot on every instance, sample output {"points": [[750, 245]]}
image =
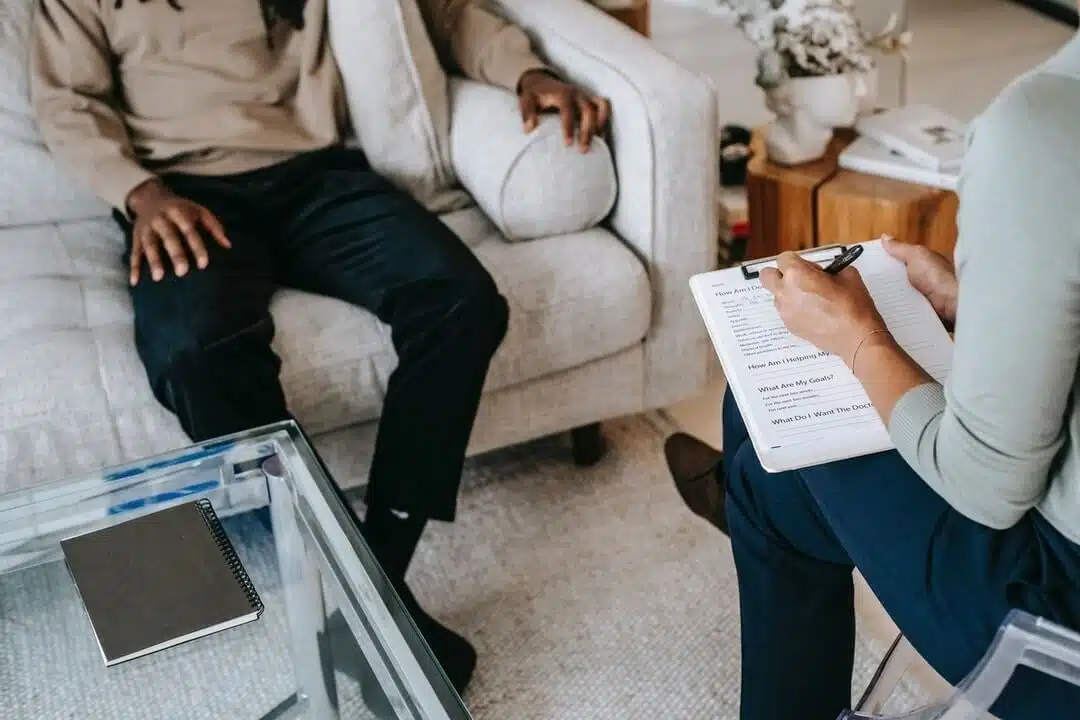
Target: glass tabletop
{"points": [[333, 640]]}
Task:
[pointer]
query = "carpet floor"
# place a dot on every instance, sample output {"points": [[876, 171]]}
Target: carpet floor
{"points": [[591, 593]]}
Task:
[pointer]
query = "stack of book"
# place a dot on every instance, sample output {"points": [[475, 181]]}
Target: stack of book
{"points": [[916, 143]]}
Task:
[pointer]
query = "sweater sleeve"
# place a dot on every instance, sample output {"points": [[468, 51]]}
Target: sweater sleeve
{"points": [[987, 441], [489, 49], [73, 92]]}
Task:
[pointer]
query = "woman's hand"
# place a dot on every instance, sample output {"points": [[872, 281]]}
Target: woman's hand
{"points": [[929, 273], [833, 312]]}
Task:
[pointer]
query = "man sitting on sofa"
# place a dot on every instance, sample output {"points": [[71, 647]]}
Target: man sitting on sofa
{"points": [[215, 131]]}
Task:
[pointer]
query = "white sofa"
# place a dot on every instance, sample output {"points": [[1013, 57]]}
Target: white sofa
{"points": [[601, 322]]}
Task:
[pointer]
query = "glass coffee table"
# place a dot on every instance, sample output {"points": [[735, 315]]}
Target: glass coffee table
{"points": [[334, 640]]}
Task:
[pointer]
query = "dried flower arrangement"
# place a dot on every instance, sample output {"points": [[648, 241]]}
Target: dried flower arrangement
{"points": [[808, 38]]}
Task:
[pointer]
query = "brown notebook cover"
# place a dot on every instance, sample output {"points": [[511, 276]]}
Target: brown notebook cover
{"points": [[160, 580]]}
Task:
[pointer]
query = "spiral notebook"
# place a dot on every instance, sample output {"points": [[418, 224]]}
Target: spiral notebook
{"points": [[160, 580]]}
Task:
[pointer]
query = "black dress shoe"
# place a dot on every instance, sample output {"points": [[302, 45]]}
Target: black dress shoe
{"points": [[696, 468]]}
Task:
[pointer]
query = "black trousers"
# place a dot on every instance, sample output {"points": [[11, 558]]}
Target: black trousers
{"points": [[326, 223]]}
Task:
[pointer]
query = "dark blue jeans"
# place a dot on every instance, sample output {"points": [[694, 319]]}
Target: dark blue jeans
{"points": [[326, 223], [947, 581]]}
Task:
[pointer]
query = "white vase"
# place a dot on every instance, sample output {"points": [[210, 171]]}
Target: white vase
{"points": [[807, 110]]}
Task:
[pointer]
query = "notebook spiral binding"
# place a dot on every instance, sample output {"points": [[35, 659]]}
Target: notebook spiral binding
{"points": [[229, 553]]}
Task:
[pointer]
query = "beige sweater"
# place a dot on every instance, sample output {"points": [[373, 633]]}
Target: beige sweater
{"points": [[122, 93]]}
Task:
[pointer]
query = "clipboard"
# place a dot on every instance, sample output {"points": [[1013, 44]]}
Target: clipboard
{"points": [[823, 255], [802, 407]]}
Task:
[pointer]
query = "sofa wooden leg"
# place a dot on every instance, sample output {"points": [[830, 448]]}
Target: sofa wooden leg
{"points": [[588, 443]]}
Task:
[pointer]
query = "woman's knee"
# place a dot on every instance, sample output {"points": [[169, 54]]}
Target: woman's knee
{"points": [[742, 477], [741, 469], [779, 507], [735, 433]]}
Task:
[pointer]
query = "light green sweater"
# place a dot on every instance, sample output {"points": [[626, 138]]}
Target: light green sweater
{"points": [[1003, 436]]}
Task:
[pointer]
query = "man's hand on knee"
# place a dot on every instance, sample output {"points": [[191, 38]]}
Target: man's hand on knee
{"points": [[167, 224]]}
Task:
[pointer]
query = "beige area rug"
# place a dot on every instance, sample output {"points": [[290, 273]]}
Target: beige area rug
{"points": [[589, 593]]}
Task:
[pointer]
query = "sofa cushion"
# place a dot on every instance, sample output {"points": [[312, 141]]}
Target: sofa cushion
{"points": [[72, 390], [33, 188], [396, 96], [573, 298], [530, 184]]}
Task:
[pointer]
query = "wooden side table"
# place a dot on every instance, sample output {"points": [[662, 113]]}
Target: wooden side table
{"points": [[794, 208], [633, 13]]}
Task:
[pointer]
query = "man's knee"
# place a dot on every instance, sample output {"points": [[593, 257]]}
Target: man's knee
{"points": [[196, 346], [481, 307], [217, 380], [466, 296]]}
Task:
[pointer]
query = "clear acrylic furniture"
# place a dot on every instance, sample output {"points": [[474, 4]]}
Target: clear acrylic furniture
{"points": [[334, 640], [1022, 640]]}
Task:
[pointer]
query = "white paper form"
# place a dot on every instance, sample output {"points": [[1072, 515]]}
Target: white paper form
{"points": [[803, 406]]}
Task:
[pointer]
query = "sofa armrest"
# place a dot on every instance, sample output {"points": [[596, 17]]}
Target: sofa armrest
{"points": [[664, 136]]}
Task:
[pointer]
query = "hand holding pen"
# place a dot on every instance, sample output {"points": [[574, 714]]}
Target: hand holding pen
{"points": [[832, 310]]}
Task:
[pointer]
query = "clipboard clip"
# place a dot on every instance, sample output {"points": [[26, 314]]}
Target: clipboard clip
{"points": [[823, 255]]}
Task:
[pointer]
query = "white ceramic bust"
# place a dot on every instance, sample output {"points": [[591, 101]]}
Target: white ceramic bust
{"points": [[807, 110]]}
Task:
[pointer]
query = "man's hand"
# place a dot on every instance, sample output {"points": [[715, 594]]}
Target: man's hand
{"points": [[929, 273], [168, 224], [581, 112]]}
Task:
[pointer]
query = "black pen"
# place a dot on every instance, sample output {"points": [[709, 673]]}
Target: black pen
{"points": [[844, 259]]}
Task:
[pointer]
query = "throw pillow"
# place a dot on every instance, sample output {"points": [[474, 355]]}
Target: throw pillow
{"points": [[34, 189], [530, 185], [397, 97]]}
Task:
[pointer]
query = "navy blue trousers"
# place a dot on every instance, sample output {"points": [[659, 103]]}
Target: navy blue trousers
{"points": [[947, 581]]}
